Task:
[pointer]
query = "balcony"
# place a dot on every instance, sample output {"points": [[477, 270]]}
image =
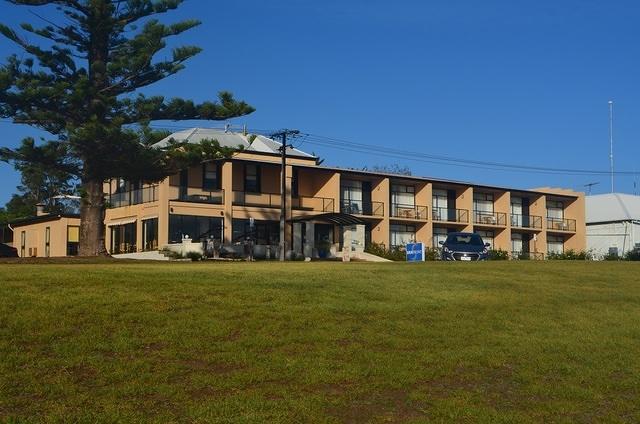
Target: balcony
{"points": [[197, 195], [317, 204], [450, 215], [561, 224], [362, 208], [263, 200], [490, 218], [526, 221], [133, 197], [399, 210]]}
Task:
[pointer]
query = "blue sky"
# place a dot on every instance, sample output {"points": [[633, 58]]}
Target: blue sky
{"points": [[508, 81]]}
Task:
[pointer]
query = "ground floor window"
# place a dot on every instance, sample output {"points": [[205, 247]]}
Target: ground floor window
{"points": [[23, 243], [123, 238], [555, 244], [150, 234], [263, 232], [47, 242], [402, 234], [73, 240], [439, 235], [516, 243], [487, 237], [198, 228]]}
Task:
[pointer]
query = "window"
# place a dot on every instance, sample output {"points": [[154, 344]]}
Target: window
{"points": [[440, 205], [351, 196], [150, 234], [555, 244], [123, 238], [487, 237], [73, 240], [516, 242], [47, 242], [555, 209], [439, 235], [402, 197], [23, 243], [198, 228], [483, 202], [252, 178], [210, 176], [402, 234], [264, 232]]}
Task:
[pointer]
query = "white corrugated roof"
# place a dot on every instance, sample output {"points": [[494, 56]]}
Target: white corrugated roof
{"points": [[230, 139], [612, 207]]}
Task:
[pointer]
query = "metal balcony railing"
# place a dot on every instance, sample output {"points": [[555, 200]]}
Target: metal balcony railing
{"points": [[133, 197], [196, 195], [450, 215], [561, 224], [318, 204], [265, 200], [490, 218], [362, 208], [399, 210], [526, 255], [526, 221]]}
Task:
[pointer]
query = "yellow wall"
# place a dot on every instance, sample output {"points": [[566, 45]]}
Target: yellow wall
{"points": [[35, 237]]}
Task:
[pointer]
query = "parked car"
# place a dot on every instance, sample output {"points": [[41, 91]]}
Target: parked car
{"points": [[7, 251], [464, 247]]}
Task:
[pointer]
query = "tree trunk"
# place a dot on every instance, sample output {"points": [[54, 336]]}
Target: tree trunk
{"points": [[91, 220]]}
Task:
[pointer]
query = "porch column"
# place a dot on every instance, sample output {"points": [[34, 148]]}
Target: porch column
{"points": [[297, 237]]}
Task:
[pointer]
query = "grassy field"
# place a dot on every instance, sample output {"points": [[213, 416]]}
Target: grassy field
{"points": [[320, 342]]}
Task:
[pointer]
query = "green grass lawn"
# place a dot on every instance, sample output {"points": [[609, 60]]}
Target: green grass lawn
{"points": [[320, 342]]}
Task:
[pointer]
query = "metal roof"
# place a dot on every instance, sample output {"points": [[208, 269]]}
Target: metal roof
{"points": [[260, 144], [612, 207]]}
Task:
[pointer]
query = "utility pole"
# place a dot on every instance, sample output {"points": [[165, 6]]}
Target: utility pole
{"points": [[611, 141], [282, 135]]}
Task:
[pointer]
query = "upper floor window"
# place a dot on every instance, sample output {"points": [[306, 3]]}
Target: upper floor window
{"points": [[555, 209], [210, 177], [252, 178], [483, 202], [440, 199], [403, 195]]}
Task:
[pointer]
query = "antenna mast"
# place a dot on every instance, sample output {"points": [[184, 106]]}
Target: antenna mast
{"points": [[611, 141]]}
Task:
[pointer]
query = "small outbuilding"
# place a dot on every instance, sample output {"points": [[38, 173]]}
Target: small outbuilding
{"points": [[613, 223]]}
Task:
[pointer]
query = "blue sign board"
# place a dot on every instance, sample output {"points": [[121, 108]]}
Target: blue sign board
{"points": [[415, 252]]}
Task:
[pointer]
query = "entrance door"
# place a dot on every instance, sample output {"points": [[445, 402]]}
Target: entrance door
{"points": [[323, 239]]}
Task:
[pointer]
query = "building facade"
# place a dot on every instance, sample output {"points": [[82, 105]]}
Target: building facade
{"points": [[613, 224], [47, 235], [328, 209]]}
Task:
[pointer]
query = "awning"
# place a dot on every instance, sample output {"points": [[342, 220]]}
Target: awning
{"points": [[121, 222], [332, 218]]}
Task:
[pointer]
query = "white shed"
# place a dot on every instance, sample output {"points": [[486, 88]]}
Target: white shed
{"points": [[613, 223]]}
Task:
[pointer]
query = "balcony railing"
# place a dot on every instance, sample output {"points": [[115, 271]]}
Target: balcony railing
{"points": [[561, 224], [264, 200], [526, 221], [490, 218], [450, 215], [362, 208], [399, 210], [133, 197], [318, 204], [196, 195], [526, 255]]}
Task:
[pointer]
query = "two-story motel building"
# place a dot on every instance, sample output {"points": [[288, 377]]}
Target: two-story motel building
{"points": [[217, 199]]}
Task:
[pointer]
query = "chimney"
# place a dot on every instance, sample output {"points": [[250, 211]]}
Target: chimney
{"points": [[40, 209]]}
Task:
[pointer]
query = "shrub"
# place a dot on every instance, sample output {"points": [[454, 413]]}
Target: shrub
{"points": [[571, 255], [194, 256], [498, 255], [632, 255], [611, 257]]}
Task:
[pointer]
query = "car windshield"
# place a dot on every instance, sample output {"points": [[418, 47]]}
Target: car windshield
{"points": [[465, 239]]}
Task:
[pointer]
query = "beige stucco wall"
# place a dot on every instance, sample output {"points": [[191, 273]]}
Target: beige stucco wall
{"points": [[35, 237]]}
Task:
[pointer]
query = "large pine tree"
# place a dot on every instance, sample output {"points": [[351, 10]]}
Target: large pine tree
{"points": [[81, 84]]}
